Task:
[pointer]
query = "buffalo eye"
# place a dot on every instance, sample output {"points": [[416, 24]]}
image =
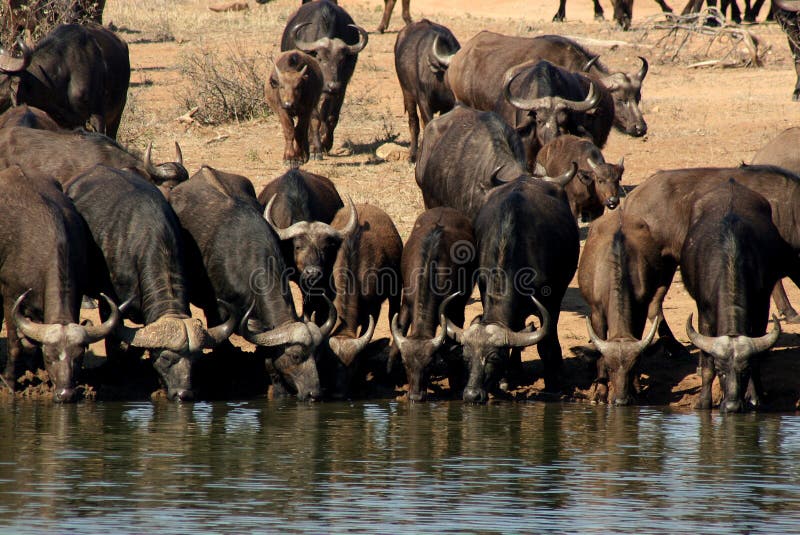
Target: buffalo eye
{"points": [[273, 83]]}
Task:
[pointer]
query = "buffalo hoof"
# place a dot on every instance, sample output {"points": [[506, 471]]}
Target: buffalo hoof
{"points": [[796, 95], [558, 18], [316, 155], [703, 404], [599, 17], [381, 29]]}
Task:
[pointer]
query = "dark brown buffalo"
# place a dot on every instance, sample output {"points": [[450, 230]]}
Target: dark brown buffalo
{"points": [[65, 154], [418, 54], [366, 273], [439, 259], [65, 75], [596, 184], [731, 259], [666, 198], [292, 92], [476, 72], [620, 274], [528, 252], [29, 117], [387, 13], [327, 32], [783, 151], [623, 11], [300, 207], [465, 154], [43, 274], [232, 255], [137, 255]]}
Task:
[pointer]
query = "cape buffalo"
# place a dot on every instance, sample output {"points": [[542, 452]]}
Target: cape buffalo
{"points": [[233, 256], [476, 72], [528, 252], [623, 11], [292, 92], [439, 259], [327, 32], [783, 151], [366, 273], [43, 274], [466, 153], [137, 255], [620, 276], [731, 259], [596, 184], [420, 59]]}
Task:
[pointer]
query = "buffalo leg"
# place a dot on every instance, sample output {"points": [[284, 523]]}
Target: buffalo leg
{"points": [[291, 157], [407, 11], [330, 119], [692, 6], [313, 133], [600, 326], [790, 24], [598, 10], [783, 305], [664, 7], [301, 137], [706, 366], [562, 11], [388, 6], [550, 353], [413, 124], [751, 12], [12, 348]]}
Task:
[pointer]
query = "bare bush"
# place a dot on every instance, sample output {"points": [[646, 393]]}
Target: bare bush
{"points": [[226, 87], [37, 18]]}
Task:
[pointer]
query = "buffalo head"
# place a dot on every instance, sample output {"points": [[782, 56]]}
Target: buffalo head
{"points": [[63, 345], [175, 343], [166, 175], [331, 54], [619, 358], [732, 360], [486, 348], [298, 342], [604, 178], [315, 243], [626, 89], [288, 78]]}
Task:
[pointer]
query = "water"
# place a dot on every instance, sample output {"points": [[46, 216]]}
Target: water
{"points": [[394, 468]]}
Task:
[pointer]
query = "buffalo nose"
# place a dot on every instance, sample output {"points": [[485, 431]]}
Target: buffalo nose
{"points": [[475, 395], [310, 395], [622, 401], [612, 202], [311, 276], [65, 395], [184, 395], [333, 87], [639, 130], [416, 396], [732, 406], [287, 106]]}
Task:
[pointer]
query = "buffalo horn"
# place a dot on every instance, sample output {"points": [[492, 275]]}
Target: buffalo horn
{"points": [[758, 345], [222, 332], [524, 338], [523, 104], [303, 45], [564, 178], [397, 334], [29, 328], [178, 154], [363, 38], [289, 232], [589, 103], [327, 327], [589, 64], [352, 222], [453, 331], [11, 65], [95, 333], [643, 69], [442, 59], [345, 347]]}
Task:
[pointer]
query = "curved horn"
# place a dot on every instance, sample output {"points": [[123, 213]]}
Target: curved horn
{"points": [[29, 328], [589, 103], [621, 163], [525, 339], [352, 222], [589, 64], [523, 104], [437, 341], [178, 154], [363, 39], [345, 347], [220, 333], [493, 179], [148, 160], [289, 232], [95, 333], [12, 65], [765, 342], [647, 340], [701, 341], [304, 45], [592, 164], [285, 334], [453, 331], [327, 327], [564, 178], [277, 69], [642, 72], [602, 346], [397, 333], [443, 60]]}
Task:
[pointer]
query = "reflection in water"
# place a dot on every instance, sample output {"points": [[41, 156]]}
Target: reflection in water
{"points": [[390, 467]]}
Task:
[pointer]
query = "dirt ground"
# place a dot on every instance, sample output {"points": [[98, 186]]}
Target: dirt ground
{"points": [[703, 116]]}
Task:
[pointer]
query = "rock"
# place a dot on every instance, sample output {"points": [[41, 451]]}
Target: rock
{"points": [[391, 152]]}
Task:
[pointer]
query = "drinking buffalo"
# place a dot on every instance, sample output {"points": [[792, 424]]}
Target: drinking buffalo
{"points": [[782, 151], [137, 255], [620, 276], [327, 32], [476, 72], [292, 92], [222, 221], [421, 55], [596, 185], [528, 252], [731, 259], [42, 278], [666, 198], [439, 259], [466, 153], [65, 154], [366, 273]]}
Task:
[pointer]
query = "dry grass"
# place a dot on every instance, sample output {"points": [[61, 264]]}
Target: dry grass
{"points": [[39, 17]]}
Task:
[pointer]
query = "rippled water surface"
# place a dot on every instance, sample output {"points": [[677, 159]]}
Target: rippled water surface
{"points": [[391, 467]]}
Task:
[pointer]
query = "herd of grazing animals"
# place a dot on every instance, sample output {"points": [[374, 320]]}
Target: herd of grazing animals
{"points": [[507, 168]]}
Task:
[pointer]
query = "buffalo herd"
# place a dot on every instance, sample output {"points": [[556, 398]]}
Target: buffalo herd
{"points": [[507, 169]]}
